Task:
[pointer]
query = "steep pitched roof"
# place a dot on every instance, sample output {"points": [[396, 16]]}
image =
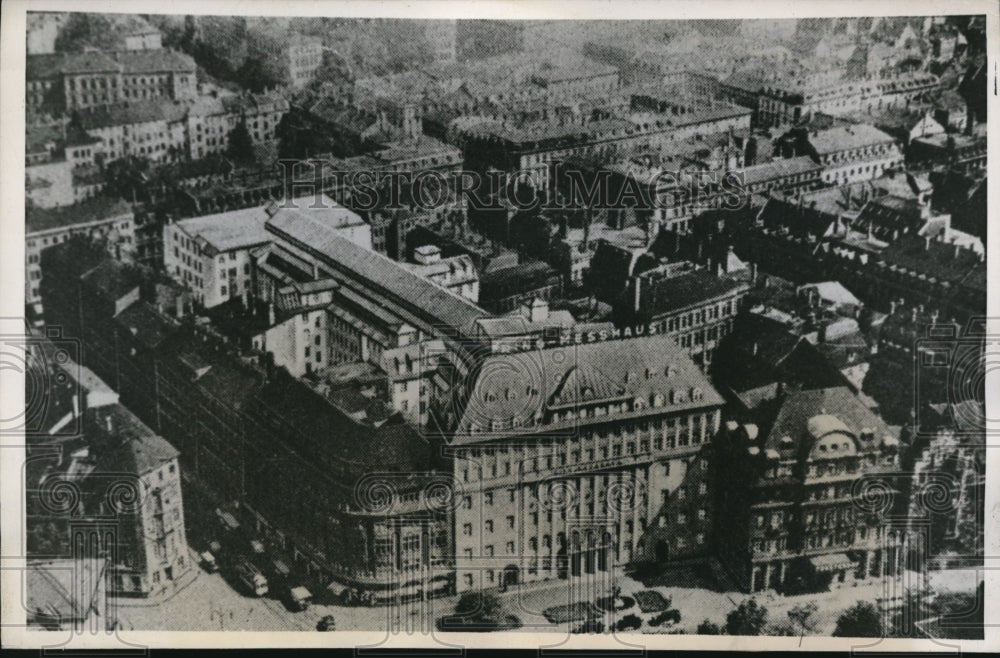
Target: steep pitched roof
{"points": [[156, 61], [378, 272], [138, 111], [779, 168], [531, 392], [806, 416], [124, 444]]}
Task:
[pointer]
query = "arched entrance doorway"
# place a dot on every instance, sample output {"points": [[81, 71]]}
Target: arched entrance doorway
{"points": [[511, 575], [662, 550]]}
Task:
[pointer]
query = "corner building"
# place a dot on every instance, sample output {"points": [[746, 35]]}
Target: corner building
{"points": [[809, 498], [564, 454]]}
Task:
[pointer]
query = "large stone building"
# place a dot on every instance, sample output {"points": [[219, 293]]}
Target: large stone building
{"points": [[783, 103], [211, 255], [61, 166], [794, 515], [297, 460], [58, 82], [211, 119], [850, 153], [110, 220], [564, 454], [120, 471]]}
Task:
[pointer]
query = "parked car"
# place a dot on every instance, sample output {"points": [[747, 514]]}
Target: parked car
{"points": [[208, 562], [299, 598], [251, 577], [279, 570], [327, 623]]}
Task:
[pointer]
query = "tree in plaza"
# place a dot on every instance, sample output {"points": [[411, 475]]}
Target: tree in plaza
{"points": [[860, 620], [709, 628], [748, 619], [479, 612]]}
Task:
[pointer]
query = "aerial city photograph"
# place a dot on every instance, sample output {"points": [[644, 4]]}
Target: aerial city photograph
{"points": [[506, 326]]}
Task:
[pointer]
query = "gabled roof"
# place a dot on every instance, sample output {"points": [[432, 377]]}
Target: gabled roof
{"points": [[525, 392], [132, 112], [319, 430], [236, 229], [799, 218], [378, 273], [137, 62], [95, 209], [843, 138], [806, 416], [762, 352], [124, 444], [660, 296], [890, 215], [52, 64], [936, 259], [779, 168], [113, 279]]}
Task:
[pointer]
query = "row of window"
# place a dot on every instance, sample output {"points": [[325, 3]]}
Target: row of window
{"points": [[538, 464]]}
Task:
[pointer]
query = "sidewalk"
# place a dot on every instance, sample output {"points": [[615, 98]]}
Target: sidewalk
{"points": [[161, 596], [165, 593]]}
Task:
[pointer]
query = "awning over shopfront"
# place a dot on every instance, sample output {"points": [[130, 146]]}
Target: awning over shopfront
{"points": [[831, 562]]}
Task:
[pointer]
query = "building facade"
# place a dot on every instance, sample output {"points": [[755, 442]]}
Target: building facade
{"points": [[562, 473], [99, 218], [792, 518]]}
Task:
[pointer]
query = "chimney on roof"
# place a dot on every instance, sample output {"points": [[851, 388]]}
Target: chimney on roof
{"points": [[270, 313]]}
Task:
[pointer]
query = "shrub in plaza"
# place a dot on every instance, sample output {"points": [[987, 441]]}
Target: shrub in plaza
{"points": [[672, 616], [651, 601], [479, 612], [708, 628], [629, 623]]}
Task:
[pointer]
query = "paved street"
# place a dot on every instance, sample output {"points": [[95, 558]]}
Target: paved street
{"points": [[207, 602]]}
